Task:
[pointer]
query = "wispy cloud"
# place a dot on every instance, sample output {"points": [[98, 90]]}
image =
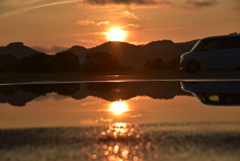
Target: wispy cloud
{"points": [[200, 3], [91, 22], [85, 22], [89, 41], [131, 27], [129, 15], [187, 4], [103, 23], [126, 2], [134, 114], [88, 122], [13, 7], [92, 122]]}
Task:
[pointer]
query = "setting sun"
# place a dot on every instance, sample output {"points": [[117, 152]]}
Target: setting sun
{"points": [[118, 107], [116, 34]]}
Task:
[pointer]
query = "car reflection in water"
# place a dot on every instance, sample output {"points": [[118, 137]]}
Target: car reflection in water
{"points": [[219, 93]]}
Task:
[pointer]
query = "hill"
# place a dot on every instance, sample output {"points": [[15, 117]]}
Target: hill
{"points": [[135, 55], [17, 49]]}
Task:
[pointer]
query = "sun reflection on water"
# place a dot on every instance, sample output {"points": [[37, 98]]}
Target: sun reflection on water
{"points": [[121, 142], [118, 107]]}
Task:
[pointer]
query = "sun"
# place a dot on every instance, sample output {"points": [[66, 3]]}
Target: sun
{"points": [[116, 34]]}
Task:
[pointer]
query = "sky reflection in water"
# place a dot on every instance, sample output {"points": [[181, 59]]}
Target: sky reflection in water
{"points": [[104, 103]]}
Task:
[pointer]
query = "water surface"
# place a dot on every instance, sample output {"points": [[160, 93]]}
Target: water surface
{"points": [[121, 121]]}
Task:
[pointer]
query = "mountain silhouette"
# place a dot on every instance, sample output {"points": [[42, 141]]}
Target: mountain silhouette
{"points": [[19, 98], [127, 54], [17, 49], [135, 55]]}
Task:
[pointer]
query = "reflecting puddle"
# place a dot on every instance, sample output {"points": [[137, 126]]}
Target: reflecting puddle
{"points": [[120, 121], [97, 104]]}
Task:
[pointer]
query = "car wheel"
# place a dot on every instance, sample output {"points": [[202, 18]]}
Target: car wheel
{"points": [[193, 67]]}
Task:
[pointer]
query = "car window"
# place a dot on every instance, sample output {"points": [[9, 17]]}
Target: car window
{"points": [[211, 45], [231, 43], [196, 46]]}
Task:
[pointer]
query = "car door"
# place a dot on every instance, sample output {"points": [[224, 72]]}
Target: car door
{"points": [[231, 51], [209, 54]]}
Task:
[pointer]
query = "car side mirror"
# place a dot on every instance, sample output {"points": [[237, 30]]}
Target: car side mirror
{"points": [[205, 48]]}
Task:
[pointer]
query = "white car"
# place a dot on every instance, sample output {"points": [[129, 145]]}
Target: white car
{"points": [[212, 52]]}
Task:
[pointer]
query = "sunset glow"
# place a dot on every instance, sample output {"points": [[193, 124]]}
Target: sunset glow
{"points": [[89, 23], [115, 34]]}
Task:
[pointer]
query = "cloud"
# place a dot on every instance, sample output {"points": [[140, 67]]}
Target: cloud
{"points": [[103, 23], [53, 49], [199, 3], [91, 22], [125, 2], [237, 7], [187, 4], [135, 114], [13, 7], [88, 42], [129, 15], [85, 22], [131, 27], [88, 122], [106, 120], [92, 122]]}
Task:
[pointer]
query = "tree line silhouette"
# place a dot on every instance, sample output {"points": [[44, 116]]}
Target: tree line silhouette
{"points": [[160, 64], [68, 62]]}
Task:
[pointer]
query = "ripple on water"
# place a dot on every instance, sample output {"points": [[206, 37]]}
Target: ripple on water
{"points": [[122, 141]]}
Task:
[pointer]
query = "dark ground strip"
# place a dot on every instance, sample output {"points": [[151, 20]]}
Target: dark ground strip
{"points": [[179, 76]]}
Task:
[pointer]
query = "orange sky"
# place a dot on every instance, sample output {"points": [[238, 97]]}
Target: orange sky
{"points": [[54, 24]]}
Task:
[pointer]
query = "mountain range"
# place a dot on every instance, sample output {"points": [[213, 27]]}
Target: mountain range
{"points": [[127, 54]]}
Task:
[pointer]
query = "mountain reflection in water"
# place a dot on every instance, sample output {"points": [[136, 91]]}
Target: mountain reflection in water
{"points": [[19, 95]]}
